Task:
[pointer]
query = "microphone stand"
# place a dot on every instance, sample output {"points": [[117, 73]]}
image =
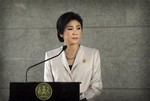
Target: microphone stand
{"points": [[26, 78]]}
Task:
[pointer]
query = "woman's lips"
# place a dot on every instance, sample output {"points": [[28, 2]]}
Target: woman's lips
{"points": [[75, 38]]}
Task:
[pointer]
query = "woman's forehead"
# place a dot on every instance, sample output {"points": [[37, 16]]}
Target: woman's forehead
{"points": [[73, 22]]}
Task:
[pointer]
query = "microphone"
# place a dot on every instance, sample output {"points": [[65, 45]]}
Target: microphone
{"points": [[64, 48]]}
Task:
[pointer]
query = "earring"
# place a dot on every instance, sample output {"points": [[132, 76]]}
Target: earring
{"points": [[61, 35]]}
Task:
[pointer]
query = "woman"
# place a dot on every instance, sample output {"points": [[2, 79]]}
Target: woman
{"points": [[77, 63]]}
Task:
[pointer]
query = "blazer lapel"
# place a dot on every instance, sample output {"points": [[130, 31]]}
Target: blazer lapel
{"points": [[78, 58], [64, 62]]}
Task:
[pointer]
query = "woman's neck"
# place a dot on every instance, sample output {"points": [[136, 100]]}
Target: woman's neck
{"points": [[71, 50], [72, 47]]}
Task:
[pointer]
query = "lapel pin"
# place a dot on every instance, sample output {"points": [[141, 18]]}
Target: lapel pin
{"points": [[84, 60]]}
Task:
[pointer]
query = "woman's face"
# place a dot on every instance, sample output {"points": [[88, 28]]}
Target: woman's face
{"points": [[72, 33]]}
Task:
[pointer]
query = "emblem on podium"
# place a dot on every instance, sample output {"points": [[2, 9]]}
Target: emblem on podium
{"points": [[43, 91]]}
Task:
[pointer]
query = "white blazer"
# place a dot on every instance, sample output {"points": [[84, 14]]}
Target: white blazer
{"points": [[86, 69]]}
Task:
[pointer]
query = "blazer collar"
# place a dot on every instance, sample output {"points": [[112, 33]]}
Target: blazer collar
{"points": [[64, 62], [76, 62], [78, 58]]}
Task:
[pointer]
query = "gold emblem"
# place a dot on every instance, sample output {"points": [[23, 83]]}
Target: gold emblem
{"points": [[84, 60], [43, 91]]}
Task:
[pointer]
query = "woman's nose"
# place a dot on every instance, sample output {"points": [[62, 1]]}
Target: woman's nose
{"points": [[75, 32]]}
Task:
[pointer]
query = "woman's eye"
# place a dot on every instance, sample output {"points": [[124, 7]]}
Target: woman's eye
{"points": [[79, 28], [69, 28]]}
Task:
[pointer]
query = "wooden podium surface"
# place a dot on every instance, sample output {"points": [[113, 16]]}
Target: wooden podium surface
{"points": [[60, 91]]}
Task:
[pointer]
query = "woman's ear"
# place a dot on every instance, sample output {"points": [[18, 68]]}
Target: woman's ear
{"points": [[60, 37]]}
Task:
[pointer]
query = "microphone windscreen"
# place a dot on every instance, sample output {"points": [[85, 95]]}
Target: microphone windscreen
{"points": [[64, 47]]}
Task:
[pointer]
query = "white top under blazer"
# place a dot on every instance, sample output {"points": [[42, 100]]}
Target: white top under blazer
{"points": [[85, 69]]}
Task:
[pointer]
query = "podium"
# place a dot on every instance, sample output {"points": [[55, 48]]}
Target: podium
{"points": [[44, 91]]}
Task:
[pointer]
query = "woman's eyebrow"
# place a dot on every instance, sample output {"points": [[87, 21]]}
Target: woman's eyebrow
{"points": [[78, 26], [72, 26], [69, 26]]}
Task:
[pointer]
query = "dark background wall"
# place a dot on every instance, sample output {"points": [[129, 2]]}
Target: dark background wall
{"points": [[120, 29]]}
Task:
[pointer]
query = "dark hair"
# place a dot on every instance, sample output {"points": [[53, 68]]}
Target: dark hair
{"points": [[63, 20]]}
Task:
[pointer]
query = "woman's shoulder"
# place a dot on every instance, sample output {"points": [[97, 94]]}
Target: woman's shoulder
{"points": [[89, 49], [54, 51]]}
